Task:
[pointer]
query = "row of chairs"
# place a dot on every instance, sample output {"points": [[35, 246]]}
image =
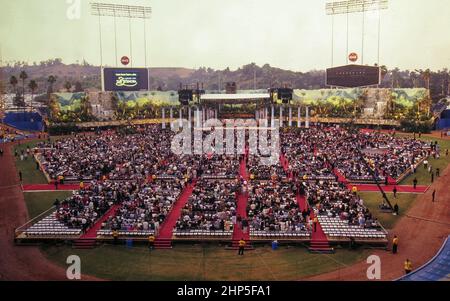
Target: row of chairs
{"points": [[203, 233], [271, 234], [73, 232], [138, 233]]}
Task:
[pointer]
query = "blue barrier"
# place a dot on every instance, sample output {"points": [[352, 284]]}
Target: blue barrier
{"points": [[436, 269], [24, 121]]}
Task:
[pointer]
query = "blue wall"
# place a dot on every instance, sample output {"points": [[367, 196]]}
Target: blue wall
{"points": [[25, 121], [444, 120]]}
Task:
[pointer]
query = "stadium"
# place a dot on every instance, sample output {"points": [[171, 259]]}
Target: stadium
{"points": [[125, 171]]}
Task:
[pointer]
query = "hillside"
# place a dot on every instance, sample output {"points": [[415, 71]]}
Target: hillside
{"points": [[247, 77]]}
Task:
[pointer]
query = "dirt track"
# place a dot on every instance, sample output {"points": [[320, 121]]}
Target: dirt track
{"points": [[19, 263], [421, 233]]}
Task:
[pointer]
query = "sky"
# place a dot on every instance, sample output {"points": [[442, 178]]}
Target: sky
{"points": [[290, 34]]}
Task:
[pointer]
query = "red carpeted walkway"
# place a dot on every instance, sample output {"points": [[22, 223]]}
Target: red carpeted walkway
{"points": [[92, 232], [389, 188], [166, 230], [50, 187], [301, 202], [319, 242], [241, 210], [341, 177], [285, 164]]}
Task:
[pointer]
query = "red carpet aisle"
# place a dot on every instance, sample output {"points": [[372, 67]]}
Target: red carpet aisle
{"points": [[92, 232], [285, 164], [242, 199], [319, 242], [391, 181], [50, 187], [241, 210], [88, 240], [301, 201], [164, 238], [390, 188], [341, 177]]}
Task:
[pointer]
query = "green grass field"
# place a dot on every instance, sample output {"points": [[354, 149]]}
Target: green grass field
{"points": [[373, 199], [423, 177], [38, 202], [208, 262], [30, 175]]}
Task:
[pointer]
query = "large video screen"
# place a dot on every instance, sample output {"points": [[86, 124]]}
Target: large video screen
{"points": [[353, 76], [125, 79]]}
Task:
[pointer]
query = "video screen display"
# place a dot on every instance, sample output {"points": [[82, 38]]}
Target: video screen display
{"points": [[125, 79]]}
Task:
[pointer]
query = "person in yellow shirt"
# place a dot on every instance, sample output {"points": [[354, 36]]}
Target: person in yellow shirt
{"points": [[81, 185], [242, 244], [115, 235], [408, 266], [394, 244], [151, 242]]}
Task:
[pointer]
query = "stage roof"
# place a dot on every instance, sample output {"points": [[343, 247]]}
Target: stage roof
{"points": [[236, 98]]}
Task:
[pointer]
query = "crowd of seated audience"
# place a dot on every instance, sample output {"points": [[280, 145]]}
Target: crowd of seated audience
{"points": [[146, 207], [212, 206], [272, 206], [333, 199], [85, 207]]}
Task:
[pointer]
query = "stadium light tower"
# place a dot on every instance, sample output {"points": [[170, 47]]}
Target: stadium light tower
{"points": [[121, 11], [356, 6]]}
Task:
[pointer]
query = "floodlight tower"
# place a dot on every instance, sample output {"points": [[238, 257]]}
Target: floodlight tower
{"points": [[351, 7], [121, 11]]}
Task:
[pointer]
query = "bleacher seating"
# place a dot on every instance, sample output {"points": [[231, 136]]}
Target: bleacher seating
{"points": [[51, 226], [336, 228]]}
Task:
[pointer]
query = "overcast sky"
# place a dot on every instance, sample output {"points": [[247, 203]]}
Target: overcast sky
{"points": [[291, 34]]}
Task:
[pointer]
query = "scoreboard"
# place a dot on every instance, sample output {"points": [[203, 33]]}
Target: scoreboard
{"points": [[352, 76]]}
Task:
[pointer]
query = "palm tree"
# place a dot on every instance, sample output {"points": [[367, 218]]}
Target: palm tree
{"points": [[23, 76], [32, 86], [13, 81], [51, 80], [68, 86], [384, 71]]}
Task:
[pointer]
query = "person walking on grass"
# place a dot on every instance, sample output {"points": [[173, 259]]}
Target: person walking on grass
{"points": [[433, 196], [395, 191], [242, 244], [408, 266], [415, 183], [394, 244], [20, 176], [396, 209]]}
